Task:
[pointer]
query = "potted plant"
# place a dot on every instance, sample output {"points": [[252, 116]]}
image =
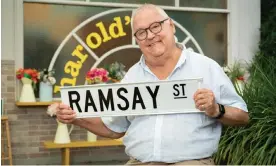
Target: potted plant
{"points": [[96, 76], [46, 82], [62, 135], [29, 78], [236, 74], [116, 71]]}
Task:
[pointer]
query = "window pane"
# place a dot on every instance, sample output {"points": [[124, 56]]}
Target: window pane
{"points": [[221, 4], [208, 29], [76, 0], [72, 39], [157, 2]]}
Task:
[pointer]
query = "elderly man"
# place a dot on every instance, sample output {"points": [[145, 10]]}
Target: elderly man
{"points": [[177, 138]]}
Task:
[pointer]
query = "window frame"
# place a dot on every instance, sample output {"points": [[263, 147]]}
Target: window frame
{"points": [[232, 11]]}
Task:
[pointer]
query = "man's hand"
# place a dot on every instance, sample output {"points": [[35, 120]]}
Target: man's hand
{"points": [[205, 101], [95, 125], [65, 114]]}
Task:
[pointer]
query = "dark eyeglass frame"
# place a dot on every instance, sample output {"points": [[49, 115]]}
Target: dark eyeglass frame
{"points": [[149, 28]]}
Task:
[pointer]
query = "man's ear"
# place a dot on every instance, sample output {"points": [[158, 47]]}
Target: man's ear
{"points": [[172, 25]]}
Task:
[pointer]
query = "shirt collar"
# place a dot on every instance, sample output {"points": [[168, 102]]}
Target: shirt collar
{"points": [[180, 62]]}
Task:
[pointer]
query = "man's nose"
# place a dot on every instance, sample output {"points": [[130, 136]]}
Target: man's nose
{"points": [[150, 34]]}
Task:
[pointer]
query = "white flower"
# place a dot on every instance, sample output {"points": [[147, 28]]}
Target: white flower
{"points": [[52, 80], [226, 69], [52, 109]]}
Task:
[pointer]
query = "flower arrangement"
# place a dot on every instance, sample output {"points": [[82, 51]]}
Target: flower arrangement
{"points": [[235, 72], [96, 76], [116, 71], [109, 73], [47, 76], [238, 76], [52, 109], [28, 73]]}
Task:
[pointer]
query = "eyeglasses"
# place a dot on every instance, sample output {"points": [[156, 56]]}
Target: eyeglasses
{"points": [[155, 28]]}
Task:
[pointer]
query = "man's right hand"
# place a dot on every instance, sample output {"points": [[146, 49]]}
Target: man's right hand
{"points": [[95, 125], [65, 114]]}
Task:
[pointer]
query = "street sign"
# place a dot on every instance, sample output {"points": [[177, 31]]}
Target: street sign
{"points": [[122, 99]]}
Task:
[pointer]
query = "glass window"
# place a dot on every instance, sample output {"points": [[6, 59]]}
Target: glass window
{"points": [[222, 4], [73, 39], [208, 29], [157, 2]]}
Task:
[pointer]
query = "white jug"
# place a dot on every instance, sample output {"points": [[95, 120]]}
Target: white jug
{"points": [[27, 92], [62, 134], [91, 137]]}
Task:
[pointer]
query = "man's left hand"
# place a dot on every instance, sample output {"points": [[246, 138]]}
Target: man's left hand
{"points": [[205, 101]]}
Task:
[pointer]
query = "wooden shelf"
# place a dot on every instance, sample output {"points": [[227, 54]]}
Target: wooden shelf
{"points": [[3, 117], [35, 104], [82, 144]]}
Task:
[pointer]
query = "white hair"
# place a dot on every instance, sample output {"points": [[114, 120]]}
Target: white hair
{"points": [[157, 8]]}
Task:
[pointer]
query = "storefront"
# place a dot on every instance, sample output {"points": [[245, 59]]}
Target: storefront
{"points": [[73, 36]]}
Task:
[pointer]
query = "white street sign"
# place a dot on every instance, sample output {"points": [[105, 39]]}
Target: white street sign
{"points": [[120, 99]]}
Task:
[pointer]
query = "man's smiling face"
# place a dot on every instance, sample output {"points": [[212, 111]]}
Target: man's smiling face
{"points": [[155, 44]]}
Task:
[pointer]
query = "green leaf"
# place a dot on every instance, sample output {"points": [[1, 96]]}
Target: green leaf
{"points": [[27, 76]]}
